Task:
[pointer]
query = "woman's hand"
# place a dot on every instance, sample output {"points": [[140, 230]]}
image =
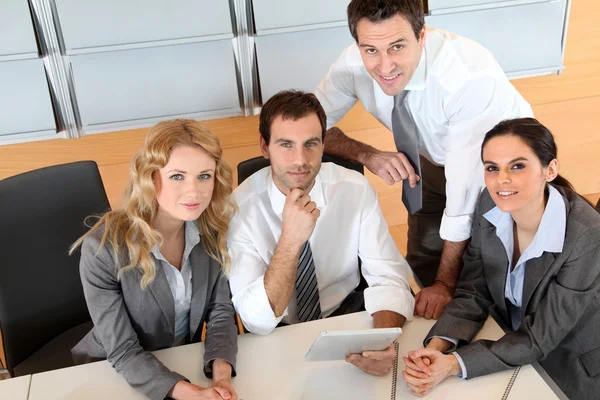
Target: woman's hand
{"points": [[184, 390], [426, 368], [222, 380]]}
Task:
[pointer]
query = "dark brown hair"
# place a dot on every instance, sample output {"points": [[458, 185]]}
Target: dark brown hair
{"points": [[290, 104], [381, 10], [539, 139]]}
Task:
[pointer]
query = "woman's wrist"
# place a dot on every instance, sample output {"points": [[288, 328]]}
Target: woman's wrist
{"points": [[221, 370], [455, 369], [181, 390], [439, 344]]}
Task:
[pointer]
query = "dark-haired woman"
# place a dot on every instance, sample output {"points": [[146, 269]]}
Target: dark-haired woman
{"points": [[535, 257]]}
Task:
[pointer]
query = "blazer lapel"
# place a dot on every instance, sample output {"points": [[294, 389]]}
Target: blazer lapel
{"points": [[495, 266], [159, 287], [535, 269], [199, 261]]}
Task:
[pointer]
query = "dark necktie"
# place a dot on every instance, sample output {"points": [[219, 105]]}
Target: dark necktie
{"points": [[307, 291], [406, 139]]}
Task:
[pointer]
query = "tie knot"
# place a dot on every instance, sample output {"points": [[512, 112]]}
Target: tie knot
{"points": [[399, 99]]}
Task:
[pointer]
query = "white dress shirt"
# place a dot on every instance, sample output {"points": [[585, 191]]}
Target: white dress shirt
{"points": [[457, 93], [351, 225], [180, 283], [549, 237]]}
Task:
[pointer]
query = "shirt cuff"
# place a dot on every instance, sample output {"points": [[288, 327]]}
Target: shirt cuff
{"points": [[463, 374], [254, 308], [390, 298], [456, 229]]}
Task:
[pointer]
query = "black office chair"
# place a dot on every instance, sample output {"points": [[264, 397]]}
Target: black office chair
{"points": [[250, 166], [43, 312]]}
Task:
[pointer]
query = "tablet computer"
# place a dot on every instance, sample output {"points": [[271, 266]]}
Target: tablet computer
{"points": [[336, 345]]}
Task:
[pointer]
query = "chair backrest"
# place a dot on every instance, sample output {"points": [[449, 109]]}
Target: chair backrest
{"points": [[42, 214], [248, 167]]}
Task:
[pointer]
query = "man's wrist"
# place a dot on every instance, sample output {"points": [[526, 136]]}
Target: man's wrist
{"points": [[365, 154], [289, 243], [450, 286]]}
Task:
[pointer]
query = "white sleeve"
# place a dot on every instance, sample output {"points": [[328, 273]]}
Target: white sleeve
{"points": [[246, 280], [336, 91], [472, 112], [383, 267]]}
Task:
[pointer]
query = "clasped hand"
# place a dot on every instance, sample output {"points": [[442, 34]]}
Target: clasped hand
{"points": [[426, 368]]}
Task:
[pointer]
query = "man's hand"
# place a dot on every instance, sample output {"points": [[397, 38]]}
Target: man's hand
{"points": [[377, 363], [392, 167], [420, 377], [299, 217], [430, 301]]}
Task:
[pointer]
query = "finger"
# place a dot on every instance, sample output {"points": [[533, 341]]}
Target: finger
{"points": [[377, 368], [388, 354], [412, 366], [421, 305], [410, 171], [430, 309], [426, 360], [418, 390], [310, 206], [293, 195], [411, 380], [223, 392], [417, 297], [316, 213], [423, 354], [439, 307], [416, 374], [394, 173], [398, 165], [421, 365], [385, 175], [303, 200]]}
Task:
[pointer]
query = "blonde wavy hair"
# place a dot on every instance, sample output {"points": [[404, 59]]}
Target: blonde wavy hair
{"points": [[130, 229]]}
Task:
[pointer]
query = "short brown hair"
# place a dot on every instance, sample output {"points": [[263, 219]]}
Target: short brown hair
{"points": [[381, 10], [290, 104]]}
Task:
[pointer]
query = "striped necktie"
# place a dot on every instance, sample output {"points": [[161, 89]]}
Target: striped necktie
{"points": [[307, 291], [406, 137]]}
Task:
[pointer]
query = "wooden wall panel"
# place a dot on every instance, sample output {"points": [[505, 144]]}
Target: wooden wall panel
{"points": [[576, 127]]}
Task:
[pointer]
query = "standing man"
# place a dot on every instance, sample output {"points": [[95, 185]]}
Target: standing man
{"points": [[439, 94]]}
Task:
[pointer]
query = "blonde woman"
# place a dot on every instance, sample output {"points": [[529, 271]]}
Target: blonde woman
{"points": [[155, 271]]}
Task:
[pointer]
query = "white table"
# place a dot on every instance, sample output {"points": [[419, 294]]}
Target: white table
{"points": [[273, 367], [15, 388]]}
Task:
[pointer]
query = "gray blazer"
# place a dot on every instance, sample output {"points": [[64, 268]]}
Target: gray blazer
{"points": [[561, 304], [130, 322]]}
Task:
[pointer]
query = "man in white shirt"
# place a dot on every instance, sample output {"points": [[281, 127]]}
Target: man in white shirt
{"points": [[300, 230], [439, 94]]}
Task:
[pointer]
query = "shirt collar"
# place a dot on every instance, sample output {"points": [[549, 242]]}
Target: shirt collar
{"points": [[550, 236], [417, 82], [192, 238], [278, 199]]}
